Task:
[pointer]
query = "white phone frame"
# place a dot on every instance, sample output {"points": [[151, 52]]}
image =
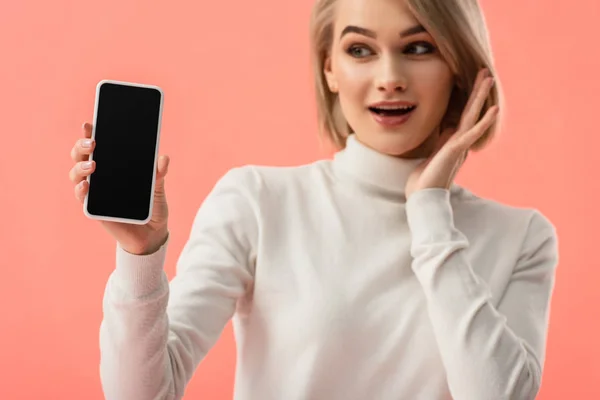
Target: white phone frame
{"points": [[85, 203]]}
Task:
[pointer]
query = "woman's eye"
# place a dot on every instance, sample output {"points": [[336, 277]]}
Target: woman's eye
{"points": [[419, 48], [358, 51]]}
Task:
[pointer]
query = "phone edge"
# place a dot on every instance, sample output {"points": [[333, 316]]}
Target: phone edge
{"points": [[156, 152]]}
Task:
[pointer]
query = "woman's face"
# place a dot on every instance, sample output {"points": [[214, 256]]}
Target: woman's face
{"points": [[381, 62]]}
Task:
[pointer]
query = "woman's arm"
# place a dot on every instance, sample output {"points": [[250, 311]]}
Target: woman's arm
{"points": [[488, 352], [154, 334]]}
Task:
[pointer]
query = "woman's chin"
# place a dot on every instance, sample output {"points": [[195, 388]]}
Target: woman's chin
{"points": [[393, 144]]}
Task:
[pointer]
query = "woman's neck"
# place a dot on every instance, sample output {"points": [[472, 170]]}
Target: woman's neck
{"points": [[422, 151]]}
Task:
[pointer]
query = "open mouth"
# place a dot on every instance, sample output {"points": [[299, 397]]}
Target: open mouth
{"points": [[392, 111]]}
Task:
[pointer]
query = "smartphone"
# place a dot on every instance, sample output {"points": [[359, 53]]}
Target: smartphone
{"points": [[126, 129]]}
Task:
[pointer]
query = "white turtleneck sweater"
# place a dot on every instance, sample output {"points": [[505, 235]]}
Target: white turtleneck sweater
{"points": [[339, 289]]}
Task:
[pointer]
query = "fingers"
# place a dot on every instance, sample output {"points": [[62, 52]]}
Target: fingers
{"points": [[481, 75], [470, 137], [80, 154], [81, 190], [81, 171], [83, 147], [481, 90], [87, 130]]}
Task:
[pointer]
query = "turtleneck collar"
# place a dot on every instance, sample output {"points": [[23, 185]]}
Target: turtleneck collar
{"points": [[368, 166]]}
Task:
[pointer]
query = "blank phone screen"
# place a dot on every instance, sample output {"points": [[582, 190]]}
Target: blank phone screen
{"points": [[126, 134]]}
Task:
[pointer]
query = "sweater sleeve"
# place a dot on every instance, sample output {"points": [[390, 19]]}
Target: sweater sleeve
{"points": [[155, 333], [488, 352]]}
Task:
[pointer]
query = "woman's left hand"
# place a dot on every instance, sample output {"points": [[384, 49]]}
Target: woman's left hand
{"points": [[440, 169]]}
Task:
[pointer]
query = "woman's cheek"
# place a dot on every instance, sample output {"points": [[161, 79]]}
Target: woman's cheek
{"points": [[431, 79], [352, 76]]}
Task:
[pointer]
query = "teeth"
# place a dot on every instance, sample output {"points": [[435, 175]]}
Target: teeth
{"points": [[394, 107]]}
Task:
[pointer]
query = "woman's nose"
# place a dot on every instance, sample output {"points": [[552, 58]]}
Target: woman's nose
{"points": [[390, 77]]}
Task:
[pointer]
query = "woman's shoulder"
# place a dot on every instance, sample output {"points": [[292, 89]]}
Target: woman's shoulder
{"points": [[501, 216], [268, 185], [257, 177]]}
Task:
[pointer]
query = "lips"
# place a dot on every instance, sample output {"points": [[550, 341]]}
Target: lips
{"points": [[391, 111], [392, 114]]}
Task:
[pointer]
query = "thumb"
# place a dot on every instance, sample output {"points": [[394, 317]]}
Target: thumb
{"points": [[162, 169]]}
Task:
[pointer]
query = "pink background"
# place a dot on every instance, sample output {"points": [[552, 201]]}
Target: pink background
{"points": [[238, 90]]}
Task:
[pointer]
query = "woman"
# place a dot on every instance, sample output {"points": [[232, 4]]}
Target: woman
{"points": [[368, 276]]}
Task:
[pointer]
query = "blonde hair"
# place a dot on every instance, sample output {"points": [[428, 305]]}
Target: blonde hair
{"points": [[460, 31]]}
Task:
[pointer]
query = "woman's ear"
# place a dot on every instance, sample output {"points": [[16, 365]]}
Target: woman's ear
{"points": [[329, 75]]}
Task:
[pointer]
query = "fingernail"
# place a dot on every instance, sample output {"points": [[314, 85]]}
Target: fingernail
{"points": [[86, 143], [86, 165], [80, 185]]}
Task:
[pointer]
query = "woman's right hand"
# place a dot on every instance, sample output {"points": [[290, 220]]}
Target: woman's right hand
{"points": [[135, 239]]}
